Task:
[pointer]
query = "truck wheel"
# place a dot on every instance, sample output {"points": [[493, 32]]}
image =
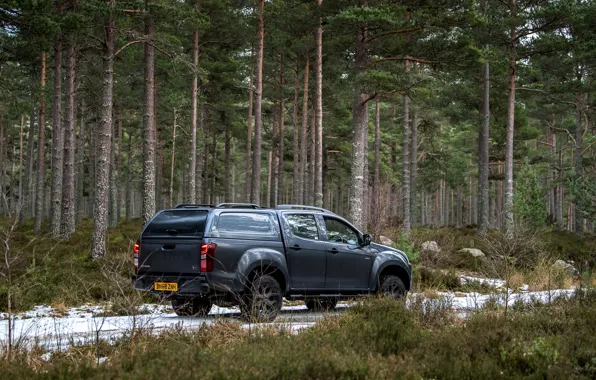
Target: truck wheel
{"points": [[264, 300], [392, 286], [191, 307], [318, 304]]}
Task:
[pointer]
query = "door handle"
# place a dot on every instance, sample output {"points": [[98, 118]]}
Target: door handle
{"points": [[296, 247], [333, 250], [168, 247]]}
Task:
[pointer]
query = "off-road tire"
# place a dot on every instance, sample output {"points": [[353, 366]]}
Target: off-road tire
{"points": [[392, 286], [191, 307], [263, 300]]}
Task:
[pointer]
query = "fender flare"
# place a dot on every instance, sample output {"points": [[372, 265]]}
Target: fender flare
{"points": [[382, 263], [262, 257]]}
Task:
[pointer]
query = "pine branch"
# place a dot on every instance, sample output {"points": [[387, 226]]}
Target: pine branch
{"points": [[392, 32], [413, 59]]}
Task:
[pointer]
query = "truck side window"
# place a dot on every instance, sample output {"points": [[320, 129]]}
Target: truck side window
{"points": [[303, 226], [339, 232]]}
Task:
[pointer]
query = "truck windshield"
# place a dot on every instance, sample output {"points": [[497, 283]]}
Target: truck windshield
{"points": [[177, 223]]}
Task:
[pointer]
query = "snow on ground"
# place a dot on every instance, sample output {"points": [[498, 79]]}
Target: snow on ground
{"points": [[44, 326]]}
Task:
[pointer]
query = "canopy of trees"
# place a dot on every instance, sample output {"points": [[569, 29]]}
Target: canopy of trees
{"points": [[405, 113]]}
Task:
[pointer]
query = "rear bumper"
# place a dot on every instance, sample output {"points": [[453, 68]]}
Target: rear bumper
{"points": [[187, 285]]}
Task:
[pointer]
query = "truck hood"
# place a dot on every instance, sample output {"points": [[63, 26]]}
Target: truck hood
{"points": [[387, 249]]}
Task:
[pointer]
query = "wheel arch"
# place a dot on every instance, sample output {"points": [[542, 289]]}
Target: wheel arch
{"points": [[392, 268]]}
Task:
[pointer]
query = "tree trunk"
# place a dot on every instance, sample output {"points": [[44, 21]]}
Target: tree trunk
{"points": [[207, 133], [256, 165], [200, 155], [376, 209], [57, 144], [280, 154], [318, 162], [274, 169], [312, 156], [68, 184], [41, 151], [173, 160], [227, 167], [268, 192], [80, 176], [113, 203], [129, 174], [483, 158], [509, 224], [248, 182], [296, 185], [359, 131], [406, 161], [20, 201], [103, 142], [192, 169], [414, 171], [149, 121], [4, 207], [119, 187], [578, 164], [303, 140], [28, 194]]}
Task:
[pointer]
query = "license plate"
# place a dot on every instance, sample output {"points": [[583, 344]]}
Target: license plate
{"points": [[166, 286]]}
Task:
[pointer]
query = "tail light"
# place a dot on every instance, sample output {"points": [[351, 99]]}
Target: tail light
{"points": [[207, 257], [135, 254]]}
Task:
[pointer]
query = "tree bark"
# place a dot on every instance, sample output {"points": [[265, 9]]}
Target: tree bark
{"points": [[256, 165], [20, 202], [173, 160], [296, 184], [57, 144], [113, 198], [129, 174], [318, 162], [303, 140], [41, 154], [359, 131], [104, 136], [578, 160], [149, 121], [312, 156], [483, 158], [28, 195], [119, 183], [192, 169], [200, 155], [280, 154], [509, 223], [268, 191], [68, 184], [227, 164], [80, 170], [406, 161], [376, 209], [414, 215], [274, 169], [248, 182]]}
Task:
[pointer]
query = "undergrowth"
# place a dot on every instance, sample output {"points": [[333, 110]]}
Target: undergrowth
{"points": [[379, 339]]}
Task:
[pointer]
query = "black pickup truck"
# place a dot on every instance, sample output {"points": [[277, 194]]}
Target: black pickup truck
{"points": [[241, 254]]}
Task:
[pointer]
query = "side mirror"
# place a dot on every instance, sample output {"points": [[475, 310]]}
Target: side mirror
{"points": [[366, 240]]}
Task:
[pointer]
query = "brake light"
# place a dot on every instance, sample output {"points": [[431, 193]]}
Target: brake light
{"points": [[135, 254], [207, 257]]}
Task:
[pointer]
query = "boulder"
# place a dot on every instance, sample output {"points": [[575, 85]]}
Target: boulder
{"points": [[430, 246], [386, 241], [565, 266], [473, 253]]}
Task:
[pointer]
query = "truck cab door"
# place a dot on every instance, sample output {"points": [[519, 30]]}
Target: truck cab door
{"points": [[305, 252], [348, 264]]}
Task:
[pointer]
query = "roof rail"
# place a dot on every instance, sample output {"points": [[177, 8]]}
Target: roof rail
{"points": [[238, 205], [302, 207], [192, 205]]}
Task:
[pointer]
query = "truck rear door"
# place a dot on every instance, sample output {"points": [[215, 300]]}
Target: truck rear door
{"points": [[171, 243]]}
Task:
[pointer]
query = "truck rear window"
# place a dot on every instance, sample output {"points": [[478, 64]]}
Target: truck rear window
{"points": [[178, 222], [246, 225]]}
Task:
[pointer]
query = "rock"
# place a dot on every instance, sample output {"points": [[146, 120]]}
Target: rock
{"points": [[460, 294], [471, 253], [565, 266], [431, 246], [386, 241]]}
